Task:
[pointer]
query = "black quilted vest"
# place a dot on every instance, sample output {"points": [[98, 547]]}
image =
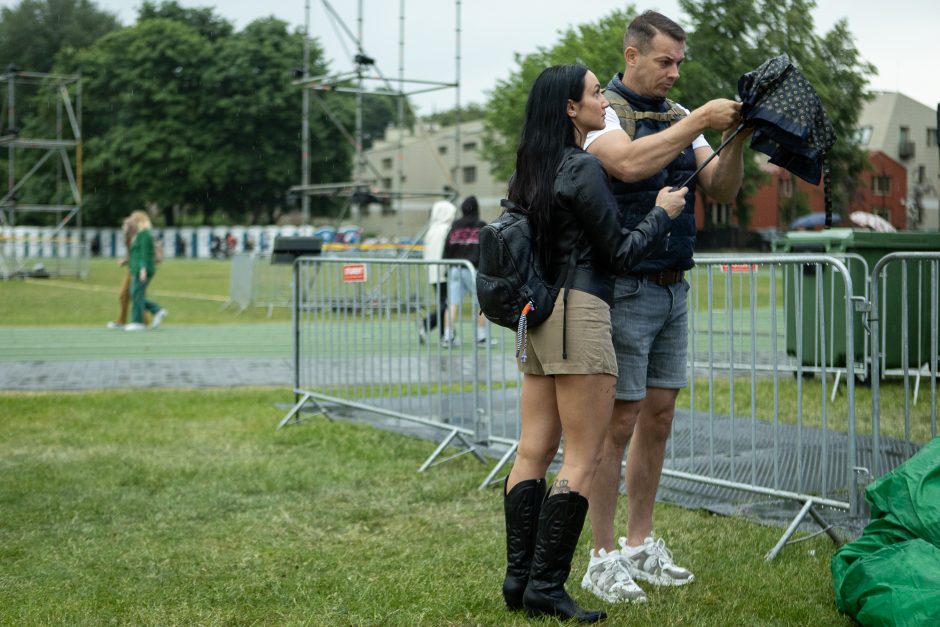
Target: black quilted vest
{"points": [[637, 199]]}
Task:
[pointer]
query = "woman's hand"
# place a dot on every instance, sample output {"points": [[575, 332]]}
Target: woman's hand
{"points": [[672, 201]]}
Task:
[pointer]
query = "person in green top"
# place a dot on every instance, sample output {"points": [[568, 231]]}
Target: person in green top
{"points": [[142, 262]]}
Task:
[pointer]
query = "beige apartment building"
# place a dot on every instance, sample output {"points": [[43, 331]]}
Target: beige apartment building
{"points": [[906, 130], [434, 160]]}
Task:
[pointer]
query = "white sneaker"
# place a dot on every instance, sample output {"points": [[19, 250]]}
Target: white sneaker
{"points": [[652, 562], [158, 318], [115, 325], [608, 578], [134, 326]]}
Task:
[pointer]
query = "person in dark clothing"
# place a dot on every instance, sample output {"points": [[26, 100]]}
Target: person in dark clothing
{"points": [[463, 242], [571, 211]]}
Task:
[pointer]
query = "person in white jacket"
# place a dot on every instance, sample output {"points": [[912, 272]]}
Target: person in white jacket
{"points": [[442, 215]]}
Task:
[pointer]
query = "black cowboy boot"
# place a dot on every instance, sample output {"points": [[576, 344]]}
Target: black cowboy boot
{"points": [[522, 506], [560, 523]]}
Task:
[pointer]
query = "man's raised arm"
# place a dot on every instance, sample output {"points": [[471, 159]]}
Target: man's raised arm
{"points": [[634, 160]]}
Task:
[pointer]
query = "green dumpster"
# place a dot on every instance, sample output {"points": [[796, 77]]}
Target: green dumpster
{"points": [[871, 246]]}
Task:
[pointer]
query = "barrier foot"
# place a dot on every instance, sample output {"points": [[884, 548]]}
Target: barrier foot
{"points": [[835, 386], [491, 478], [924, 370], [784, 539], [295, 411], [468, 448], [826, 527]]}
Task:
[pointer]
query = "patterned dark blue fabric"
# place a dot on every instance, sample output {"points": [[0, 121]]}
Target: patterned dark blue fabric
{"points": [[790, 123]]}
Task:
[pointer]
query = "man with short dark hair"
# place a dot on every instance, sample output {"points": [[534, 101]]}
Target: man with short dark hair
{"points": [[650, 142]]}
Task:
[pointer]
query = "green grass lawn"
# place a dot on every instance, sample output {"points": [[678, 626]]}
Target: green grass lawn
{"points": [[809, 413], [193, 290], [188, 507]]}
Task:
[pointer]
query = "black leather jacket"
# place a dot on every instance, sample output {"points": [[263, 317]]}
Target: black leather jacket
{"points": [[584, 216]]}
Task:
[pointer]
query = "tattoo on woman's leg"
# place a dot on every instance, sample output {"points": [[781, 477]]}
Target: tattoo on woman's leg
{"points": [[560, 487]]}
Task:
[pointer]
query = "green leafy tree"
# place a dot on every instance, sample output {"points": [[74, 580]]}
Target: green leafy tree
{"points": [[585, 44], [470, 112], [378, 113], [204, 20], [32, 34], [184, 114], [730, 37], [34, 31], [143, 105], [253, 123]]}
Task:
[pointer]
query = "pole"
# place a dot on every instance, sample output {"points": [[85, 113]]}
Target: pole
{"points": [[11, 124], [400, 156], [458, 175], [360, 156], [305, 122]]}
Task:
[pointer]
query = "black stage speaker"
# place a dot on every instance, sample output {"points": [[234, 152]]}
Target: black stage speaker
{"points": [[286, 249]]}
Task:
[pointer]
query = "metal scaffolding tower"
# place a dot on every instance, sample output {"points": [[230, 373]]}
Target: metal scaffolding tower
{"points": [[17, 252], [358, 191]]}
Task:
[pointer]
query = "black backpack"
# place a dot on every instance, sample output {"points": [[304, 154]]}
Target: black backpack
{"points": [[511, 286]]}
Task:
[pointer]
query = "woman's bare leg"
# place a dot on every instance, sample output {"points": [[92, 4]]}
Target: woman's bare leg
{"points": [[541, 430], [585, 403]]}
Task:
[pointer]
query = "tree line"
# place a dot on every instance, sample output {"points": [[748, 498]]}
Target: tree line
{"points": [[187, 116], [182, 114], [726, 38]]}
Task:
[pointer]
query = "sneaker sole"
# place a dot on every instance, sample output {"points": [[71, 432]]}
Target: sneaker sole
{"points": [[588, 585], [661, 580]]}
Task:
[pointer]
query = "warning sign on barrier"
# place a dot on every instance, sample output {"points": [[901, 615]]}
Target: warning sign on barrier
{"points": [[354, 273], [739, 267]]}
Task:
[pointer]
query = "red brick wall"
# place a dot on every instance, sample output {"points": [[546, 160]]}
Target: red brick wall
{"points": [[766, 202], [866, 199]]}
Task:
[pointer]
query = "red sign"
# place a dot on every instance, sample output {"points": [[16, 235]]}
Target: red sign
{"points": [[739, 267], [354, 273]]}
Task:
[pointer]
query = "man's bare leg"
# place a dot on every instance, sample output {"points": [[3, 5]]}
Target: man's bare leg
{"points": [[645, 461], [650, 562], [606, 486], [608, 576]]}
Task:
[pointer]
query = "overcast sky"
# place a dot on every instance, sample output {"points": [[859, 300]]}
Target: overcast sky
{"points": [[900, 37]]}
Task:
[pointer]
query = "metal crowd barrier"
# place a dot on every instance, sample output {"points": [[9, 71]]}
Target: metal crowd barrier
{"points": [[770, 337], [357, 344], [255, 282], [904, 318], [768, 333], [36, 252]]}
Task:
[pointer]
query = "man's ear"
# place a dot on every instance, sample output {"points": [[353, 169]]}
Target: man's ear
{"points": [[630, 55]]}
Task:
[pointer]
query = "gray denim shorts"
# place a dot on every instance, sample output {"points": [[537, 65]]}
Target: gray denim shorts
{"points": [[650, 333]]}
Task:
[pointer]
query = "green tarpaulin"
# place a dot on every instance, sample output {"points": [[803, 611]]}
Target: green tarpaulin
{"points": [[890, 575]]}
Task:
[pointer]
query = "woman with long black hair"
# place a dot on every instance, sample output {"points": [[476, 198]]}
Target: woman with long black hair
{"points": [[570, 369]]}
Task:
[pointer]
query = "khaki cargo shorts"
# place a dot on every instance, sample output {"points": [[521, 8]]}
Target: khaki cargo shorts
{"points": [[589, 342]]}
